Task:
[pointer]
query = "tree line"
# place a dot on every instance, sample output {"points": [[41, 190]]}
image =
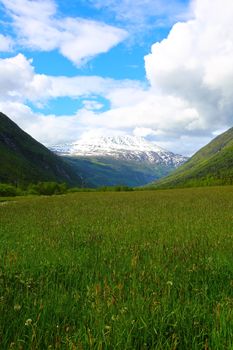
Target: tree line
{"points": [[49, 188]]}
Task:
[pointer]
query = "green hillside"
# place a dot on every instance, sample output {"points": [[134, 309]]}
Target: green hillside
{"points": [[212, 165], [24, 160], [106, 171]]}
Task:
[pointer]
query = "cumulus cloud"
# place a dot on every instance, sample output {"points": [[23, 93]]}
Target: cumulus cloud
{"points": [[27, 85], [39, 87], [152, 112], [194, 63], [38, 27]]}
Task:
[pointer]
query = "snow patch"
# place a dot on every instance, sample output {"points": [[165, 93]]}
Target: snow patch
{"points": [[120, 147]]}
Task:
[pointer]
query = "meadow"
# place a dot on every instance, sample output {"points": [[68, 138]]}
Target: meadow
{"points": [[128, 270]]}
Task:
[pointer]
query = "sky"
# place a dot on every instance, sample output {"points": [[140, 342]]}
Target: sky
{"points": [[158, 69]]}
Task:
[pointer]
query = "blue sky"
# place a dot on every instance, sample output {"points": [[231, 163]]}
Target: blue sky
{"points": [[82, 68]]}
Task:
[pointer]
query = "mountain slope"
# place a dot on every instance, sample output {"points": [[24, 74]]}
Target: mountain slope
{"points": [[125, 160], [24, 160], [106, 171], [212, 165]]}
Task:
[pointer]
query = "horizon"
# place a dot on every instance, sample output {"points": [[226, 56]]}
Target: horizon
{"points": [[95, 68]]}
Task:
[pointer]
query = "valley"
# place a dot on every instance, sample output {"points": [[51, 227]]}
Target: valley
{"points": [[139, 269], [116, 175]]}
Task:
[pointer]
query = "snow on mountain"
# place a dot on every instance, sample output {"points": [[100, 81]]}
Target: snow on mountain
{"points": [[122, 148]]}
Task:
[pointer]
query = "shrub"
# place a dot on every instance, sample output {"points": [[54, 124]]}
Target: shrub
{"points": [[47, 188], [117, 188], [7, 190]]}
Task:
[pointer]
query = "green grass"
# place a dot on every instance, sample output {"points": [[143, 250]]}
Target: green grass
{"points": [[140, 270]]}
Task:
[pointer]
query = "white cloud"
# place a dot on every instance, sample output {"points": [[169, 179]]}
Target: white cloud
{"points": [[87, 85], [41, 9], [27, 85], [6, 43], [39, 27], [143, 132], [92, 105], [39, 87], [127, 94], [82, 39], [165, 115], [139, 14], [194, 63], [184, 145], [47, 129]]}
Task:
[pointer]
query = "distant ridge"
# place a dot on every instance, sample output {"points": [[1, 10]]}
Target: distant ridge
{"points": [[212, 165], [24, 160], [121, 147], [125, 160]]}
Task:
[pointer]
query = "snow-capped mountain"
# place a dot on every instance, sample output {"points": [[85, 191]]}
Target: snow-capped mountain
{"points": [[128, 148]]}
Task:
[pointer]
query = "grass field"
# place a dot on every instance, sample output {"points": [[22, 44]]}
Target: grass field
{"points": [[138, 270]]}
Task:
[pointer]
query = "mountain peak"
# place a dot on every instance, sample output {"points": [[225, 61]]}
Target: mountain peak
{"points": [[126, 147], [124, 142]]}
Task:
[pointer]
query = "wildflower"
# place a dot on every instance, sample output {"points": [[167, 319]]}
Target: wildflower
{"points": [[17, 307], [28, 322], [169, 283], [124, 310], [114, 317]]}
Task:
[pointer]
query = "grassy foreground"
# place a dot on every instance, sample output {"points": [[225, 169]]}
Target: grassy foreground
{"points": [[140, 270]]}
